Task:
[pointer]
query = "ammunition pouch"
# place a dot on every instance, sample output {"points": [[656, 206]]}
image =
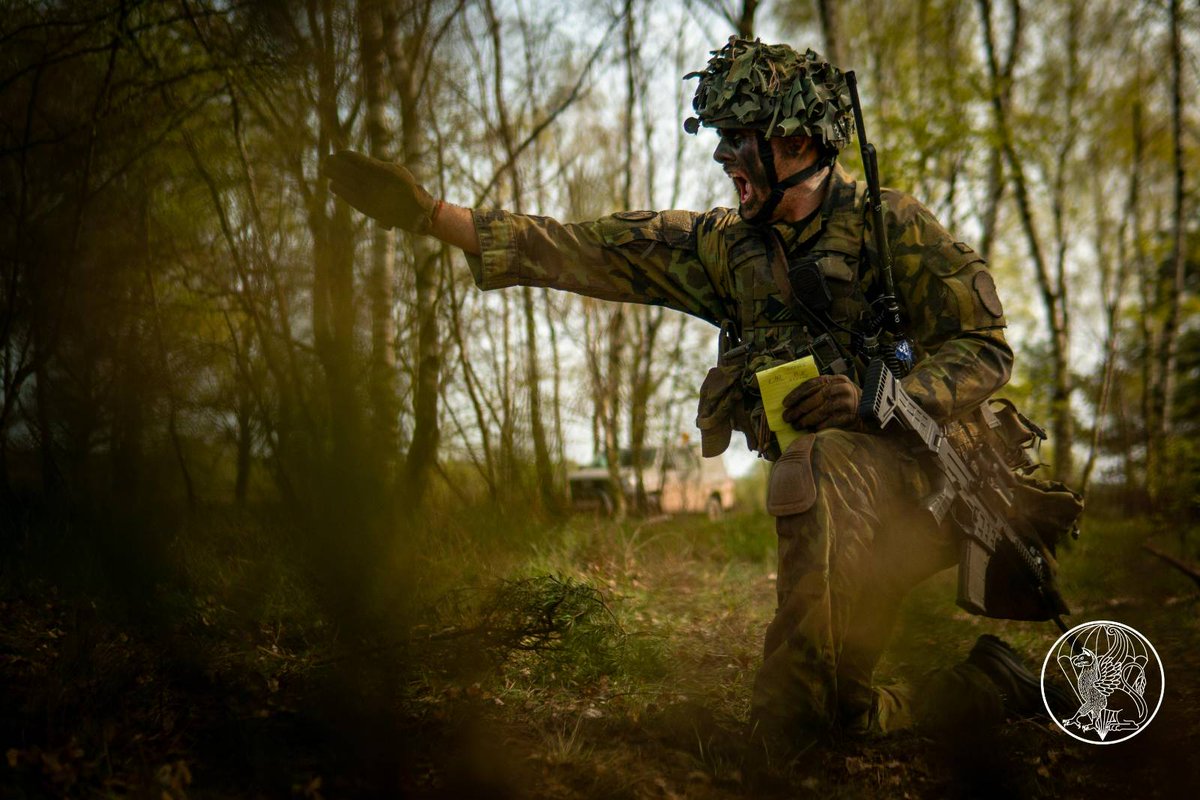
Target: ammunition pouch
{"points": [[719, 394], [793, 489], [729, 401], [1016, 438], [1046, 510]]}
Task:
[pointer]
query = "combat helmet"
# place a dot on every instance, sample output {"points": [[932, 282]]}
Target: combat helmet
{"points": [[775, 91]]}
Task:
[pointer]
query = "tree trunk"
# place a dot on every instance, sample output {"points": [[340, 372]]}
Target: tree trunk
{"points": [[556, 366], [745, 20], [168, 379], [244, 442], [383, 390], [996, 183], [544, 473], [603, 344], [509, 475], [611, 406], [333, 284], [51, 477], [640, 355], [533, 379], [554, 485], [1112, 290], [422, 452], [1058, 312], [643, 383], [991, 207], [1168, 354], [611, 402], [832, 31], [485, 423], [336, 347], [1053, 293]]}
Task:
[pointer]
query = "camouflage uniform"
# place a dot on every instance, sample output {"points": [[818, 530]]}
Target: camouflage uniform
{"points": [[852, 540]]}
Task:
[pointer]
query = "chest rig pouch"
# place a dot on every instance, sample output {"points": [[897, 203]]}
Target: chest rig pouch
{"points": [[770, 329]]}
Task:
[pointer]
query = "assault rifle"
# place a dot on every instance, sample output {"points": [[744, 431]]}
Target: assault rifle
{"points": [[972, 489]]}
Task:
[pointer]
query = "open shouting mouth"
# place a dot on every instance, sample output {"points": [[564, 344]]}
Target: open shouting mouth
{"points": [[742, 186]]}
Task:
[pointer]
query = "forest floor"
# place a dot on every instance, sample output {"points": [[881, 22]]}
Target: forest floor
{"points": [[594, 660]]}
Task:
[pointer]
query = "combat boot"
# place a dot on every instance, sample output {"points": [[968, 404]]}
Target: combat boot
{"points": [[1020, 688]]}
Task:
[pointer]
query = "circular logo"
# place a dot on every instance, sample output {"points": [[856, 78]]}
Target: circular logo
{"points": [[1102, 682]]}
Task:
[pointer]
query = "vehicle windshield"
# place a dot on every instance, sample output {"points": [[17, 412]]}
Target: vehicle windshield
{"points": [[648, 458]]}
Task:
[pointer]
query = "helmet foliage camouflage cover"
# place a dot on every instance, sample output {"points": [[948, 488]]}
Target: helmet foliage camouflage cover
{"points": [[774, 89]]}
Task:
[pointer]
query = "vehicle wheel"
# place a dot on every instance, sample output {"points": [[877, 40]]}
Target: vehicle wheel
{"points": [[714, 508]]}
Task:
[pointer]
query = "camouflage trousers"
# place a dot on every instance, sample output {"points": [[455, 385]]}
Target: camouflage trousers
{"points": [[853, 541]]}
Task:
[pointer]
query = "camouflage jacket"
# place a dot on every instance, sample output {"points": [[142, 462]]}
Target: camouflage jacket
{"points": [[714, 266]]}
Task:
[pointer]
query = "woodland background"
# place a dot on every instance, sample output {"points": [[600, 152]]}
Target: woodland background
{"points": [[254, 447]]}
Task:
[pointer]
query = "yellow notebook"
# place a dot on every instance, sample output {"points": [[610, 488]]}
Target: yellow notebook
{"points": [[774, 385]]}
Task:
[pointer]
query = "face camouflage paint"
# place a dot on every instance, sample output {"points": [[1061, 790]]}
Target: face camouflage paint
{"points": [[737, 152]]}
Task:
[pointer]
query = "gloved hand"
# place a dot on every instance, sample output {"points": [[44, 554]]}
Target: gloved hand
{"points": [[382, 191], [826, 401]]}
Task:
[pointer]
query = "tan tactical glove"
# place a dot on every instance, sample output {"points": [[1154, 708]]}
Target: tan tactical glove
{"points": [[826, 401], [382, 191]]}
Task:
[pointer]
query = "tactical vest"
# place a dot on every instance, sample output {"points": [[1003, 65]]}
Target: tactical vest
{"points": [[768, 331], [765, 321]]}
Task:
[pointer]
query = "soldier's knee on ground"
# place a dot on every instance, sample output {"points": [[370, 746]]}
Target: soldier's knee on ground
{"points": [[957, 701]]}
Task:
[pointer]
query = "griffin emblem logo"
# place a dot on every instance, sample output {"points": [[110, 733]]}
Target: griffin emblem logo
{"points": [[1115, 677]]}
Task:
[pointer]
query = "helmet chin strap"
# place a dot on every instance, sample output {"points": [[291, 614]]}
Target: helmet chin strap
{"points": [[766, 154]]}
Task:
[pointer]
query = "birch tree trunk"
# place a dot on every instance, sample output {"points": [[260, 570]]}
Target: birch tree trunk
{"points": [[1112, 288], [404, 60], [383, 389], [1051, 291]]}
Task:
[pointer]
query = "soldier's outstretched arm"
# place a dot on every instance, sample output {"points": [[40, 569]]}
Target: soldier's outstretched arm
{"points": [[634, 257]]}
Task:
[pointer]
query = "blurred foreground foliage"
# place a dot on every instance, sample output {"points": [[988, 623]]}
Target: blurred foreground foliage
{"points": [[586, 658], [218, 660]]}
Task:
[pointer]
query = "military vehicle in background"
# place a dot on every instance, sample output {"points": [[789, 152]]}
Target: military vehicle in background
{"points": [[677, 479]]}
